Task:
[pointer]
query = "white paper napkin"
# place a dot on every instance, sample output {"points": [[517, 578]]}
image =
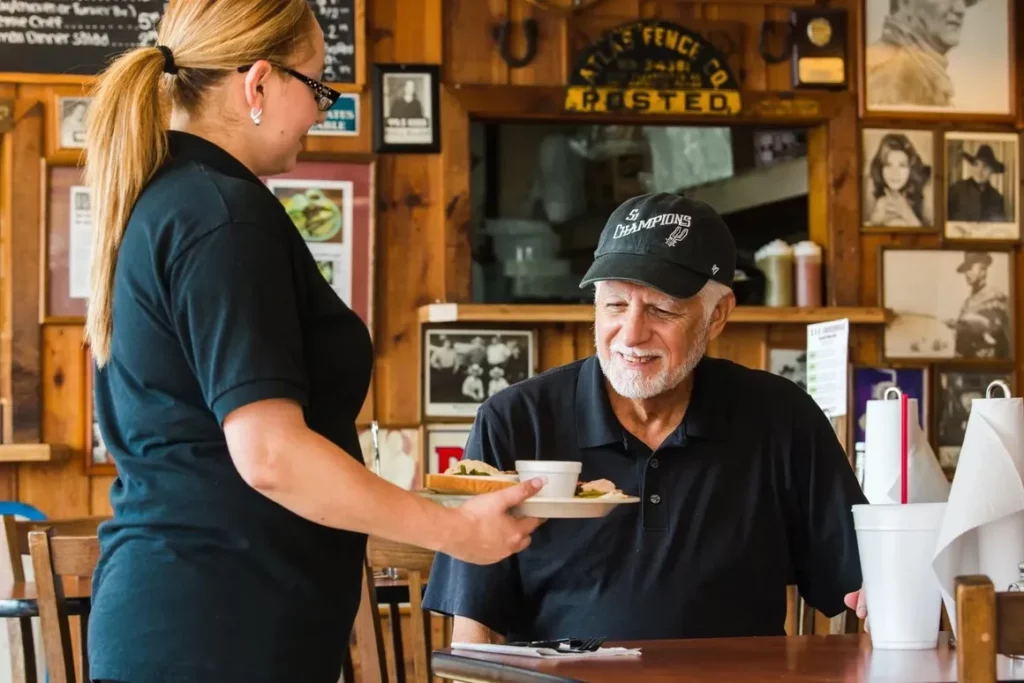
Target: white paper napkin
{"points": [[927, 483], [983, 529], [544, 652]]}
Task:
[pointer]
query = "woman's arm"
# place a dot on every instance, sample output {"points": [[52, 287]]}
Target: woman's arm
{"points": [[280, 457]]}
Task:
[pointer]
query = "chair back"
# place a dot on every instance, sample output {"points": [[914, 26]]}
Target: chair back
{"points": [[54, 559], [13, 547], [988, 623], [415, 563]]}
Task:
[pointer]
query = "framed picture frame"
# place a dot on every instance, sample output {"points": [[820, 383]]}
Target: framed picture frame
{"points": [[898, 179], [955, 387], [868, 383], [982, 186], [406, 108], [948, 304], [66, 123], [462, 367], [341, 235], [66, 243], [789, 363], [967, 70], [96, 460], [401, 455], [443, 444]]}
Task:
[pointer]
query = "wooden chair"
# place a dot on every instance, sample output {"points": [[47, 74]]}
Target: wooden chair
{"points": [[55, 558], [987, 623], [14, 547], [415, 563]]}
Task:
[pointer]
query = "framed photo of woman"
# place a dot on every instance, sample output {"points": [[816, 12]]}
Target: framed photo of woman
{"points": [[898, 182]]}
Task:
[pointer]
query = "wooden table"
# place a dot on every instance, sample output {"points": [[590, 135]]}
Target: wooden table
{"points": [[821, 659]]}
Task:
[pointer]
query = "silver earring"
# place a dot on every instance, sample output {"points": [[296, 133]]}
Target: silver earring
{"points": [[255, 114]]}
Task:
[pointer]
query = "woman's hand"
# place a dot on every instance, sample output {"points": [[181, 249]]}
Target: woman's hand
{"points": [[483, 531]]}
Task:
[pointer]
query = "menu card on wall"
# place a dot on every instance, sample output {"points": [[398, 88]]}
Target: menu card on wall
{"points": [[81, 37], [828, 350]]}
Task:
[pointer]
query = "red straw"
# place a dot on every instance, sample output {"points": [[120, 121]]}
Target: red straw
{"points": [[903, 449]]}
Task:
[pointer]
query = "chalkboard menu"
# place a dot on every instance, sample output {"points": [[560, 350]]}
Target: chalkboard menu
{"points": [[81, 37]]}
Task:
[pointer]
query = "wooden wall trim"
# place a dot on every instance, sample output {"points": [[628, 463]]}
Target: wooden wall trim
{"points": [[22, 150]]}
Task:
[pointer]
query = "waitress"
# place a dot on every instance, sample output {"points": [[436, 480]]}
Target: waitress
{"points": [[229, 375]]}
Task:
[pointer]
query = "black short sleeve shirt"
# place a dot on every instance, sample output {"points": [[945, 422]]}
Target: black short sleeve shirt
{"points": [[752, 492], [218, 303]]}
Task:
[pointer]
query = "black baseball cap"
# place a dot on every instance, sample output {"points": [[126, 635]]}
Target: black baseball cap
{"points": [[671, 243]]}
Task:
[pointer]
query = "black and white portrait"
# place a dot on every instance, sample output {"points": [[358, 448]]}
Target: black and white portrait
{"points": [[789, 363], [462, 368], [948, 304], [982, 176], [73, 121], [898, 181], [957, 389], [408, 109], [937, 56]]}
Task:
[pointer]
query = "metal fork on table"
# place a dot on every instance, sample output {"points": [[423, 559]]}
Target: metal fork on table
{"points": [[571, 644]]}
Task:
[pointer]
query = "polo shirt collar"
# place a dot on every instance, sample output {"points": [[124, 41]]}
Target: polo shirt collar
{"points": [[596, 424], [200, 150]]}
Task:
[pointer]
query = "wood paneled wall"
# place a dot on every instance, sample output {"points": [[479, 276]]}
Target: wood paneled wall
{"points": [[422, 208]]}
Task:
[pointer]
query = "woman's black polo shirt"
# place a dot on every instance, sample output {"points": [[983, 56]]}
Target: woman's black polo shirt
{"points": [[750, 493], [218, 303]]}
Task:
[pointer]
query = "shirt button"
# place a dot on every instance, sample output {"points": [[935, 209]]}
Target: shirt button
{"points": [[655, 498], [655, 463]]}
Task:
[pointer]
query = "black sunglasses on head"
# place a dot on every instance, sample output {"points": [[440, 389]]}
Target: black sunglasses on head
{"points": [[325, 96]]}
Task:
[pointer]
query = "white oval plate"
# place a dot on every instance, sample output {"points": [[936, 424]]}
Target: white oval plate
{"points": [[550, 508]]}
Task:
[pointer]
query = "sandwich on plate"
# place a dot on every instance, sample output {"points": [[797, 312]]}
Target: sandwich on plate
{"points": [[469, 478]]}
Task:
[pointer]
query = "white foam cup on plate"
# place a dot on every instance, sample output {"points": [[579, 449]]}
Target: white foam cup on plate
{"points": [[897, 544], [561, 476]]}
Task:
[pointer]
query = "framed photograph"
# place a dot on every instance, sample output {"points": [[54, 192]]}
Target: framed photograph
{"points": [[67, 244], [97, 458], [67, 123], [870, 384], [982, 186], [939, 57], [948, 304], [955, 390], [789, 363], [331, 204], [898, 188], [401, 455], [445, 445], [407, 108], [463, 367]]}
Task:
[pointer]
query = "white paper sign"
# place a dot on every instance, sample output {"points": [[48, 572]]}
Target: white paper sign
{"points": [[828, 350], [80, 238]]}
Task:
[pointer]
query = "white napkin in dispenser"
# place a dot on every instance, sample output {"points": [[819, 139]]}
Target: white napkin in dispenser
{"points": [[983, 529], [927, 483]]}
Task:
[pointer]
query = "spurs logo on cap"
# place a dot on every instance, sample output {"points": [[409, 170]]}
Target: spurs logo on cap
{"points": [[624, 229], [677, 236]]}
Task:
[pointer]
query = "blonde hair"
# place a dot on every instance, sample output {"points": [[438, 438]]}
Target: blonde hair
{"points": [[127, 141]]}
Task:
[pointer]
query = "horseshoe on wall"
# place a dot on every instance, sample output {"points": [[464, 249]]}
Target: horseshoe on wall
{"points": [[769, 29], [501, 33]]}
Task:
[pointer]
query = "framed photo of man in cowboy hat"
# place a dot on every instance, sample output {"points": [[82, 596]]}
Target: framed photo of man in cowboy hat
{"points": [[948, 303], [938, 56], [464, 367], [982, 187]]}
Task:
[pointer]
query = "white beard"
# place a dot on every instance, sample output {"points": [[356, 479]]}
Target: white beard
{"points": [[634, 383]]}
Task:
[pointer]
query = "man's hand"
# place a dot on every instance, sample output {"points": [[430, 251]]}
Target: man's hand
{"points": [[856, 602]]}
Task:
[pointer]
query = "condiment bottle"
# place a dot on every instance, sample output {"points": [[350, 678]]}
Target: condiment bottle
{"points": [[775, 260], [807, 270]]}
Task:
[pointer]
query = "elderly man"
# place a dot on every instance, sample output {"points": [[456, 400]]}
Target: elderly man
{"points": [[908, 66], [744, 488]]}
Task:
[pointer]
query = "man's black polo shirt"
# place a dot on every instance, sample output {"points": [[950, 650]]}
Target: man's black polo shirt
{"points": [[218, 303], [750, 493]]}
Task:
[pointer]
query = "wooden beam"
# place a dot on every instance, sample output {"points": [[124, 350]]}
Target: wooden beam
{"points": [[581, 313]]}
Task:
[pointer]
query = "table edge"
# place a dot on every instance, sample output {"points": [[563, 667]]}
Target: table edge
{"points": [[448, 665]]}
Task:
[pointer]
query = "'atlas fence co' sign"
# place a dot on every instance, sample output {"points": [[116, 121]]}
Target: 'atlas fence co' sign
{"points": [[653, 67]]}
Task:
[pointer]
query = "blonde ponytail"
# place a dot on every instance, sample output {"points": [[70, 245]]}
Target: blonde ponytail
{"points": [[126, 143], [126, 138]]}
